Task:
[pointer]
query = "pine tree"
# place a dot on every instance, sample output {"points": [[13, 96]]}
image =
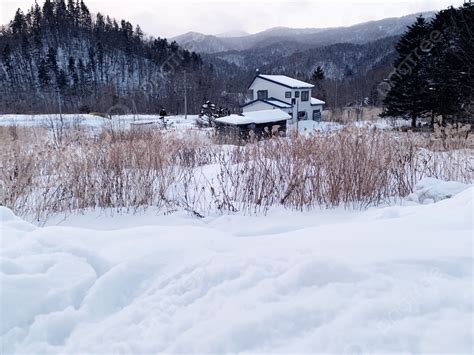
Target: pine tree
{"points": [[61, 81], [72, 13], [18, 25], [61, 13], [452, 63], [318, 75], [72, 71], [52, 61], [37, 17], [43, 76], [6, 59], [48, 13], [85, 16], [410, 96], [318, 78]]}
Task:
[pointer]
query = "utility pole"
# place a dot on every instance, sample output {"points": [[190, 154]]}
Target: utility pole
{"points": [[185, 97]]}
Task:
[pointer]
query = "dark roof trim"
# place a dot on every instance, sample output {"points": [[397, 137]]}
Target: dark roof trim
{"points": [[276, 82], [265, 101], [283, 102]]}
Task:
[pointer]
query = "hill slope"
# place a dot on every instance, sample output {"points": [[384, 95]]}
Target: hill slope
{"points": [[304, 38]]}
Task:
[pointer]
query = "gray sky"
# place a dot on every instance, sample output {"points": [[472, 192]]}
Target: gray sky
{"points": [[170, 18]]}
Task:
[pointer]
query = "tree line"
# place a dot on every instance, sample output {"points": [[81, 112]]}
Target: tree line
{"points": [[61, 54], [434, 72]]}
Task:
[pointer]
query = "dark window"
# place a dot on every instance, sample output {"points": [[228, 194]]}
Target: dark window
{"points": [[305, 96], [297, 94], [316, 115], [262, 94], [302, 115], [288, 94]]}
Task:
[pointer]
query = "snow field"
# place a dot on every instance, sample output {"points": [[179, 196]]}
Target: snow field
{"points": [[393, 279]]}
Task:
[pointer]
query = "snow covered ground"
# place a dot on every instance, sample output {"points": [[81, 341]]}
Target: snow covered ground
{"points": [[393, 279], [177, 122], [94, 121]]}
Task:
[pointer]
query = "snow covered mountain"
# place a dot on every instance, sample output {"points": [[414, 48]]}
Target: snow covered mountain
{"points": [[304, 38]]}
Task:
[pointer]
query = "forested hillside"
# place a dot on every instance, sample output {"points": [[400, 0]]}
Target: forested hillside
{"points": [[61, 56]]}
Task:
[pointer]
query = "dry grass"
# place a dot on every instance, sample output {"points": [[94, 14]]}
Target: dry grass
{"points": [[352, 114], [128, 170]]}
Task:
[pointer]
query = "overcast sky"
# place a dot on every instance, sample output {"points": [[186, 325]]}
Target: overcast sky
{"points": [[168, 18]]}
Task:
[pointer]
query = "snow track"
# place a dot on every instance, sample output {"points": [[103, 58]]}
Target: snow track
{"points": [[395, 279]]}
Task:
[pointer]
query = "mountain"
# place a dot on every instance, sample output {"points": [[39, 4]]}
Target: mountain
{"points": [[304, 38], [233, 34]]}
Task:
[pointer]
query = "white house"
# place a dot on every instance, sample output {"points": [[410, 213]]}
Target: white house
{"points": [[286, 94]]}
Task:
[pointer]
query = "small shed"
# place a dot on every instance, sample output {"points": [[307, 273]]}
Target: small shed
{"points": [[261, 123]]}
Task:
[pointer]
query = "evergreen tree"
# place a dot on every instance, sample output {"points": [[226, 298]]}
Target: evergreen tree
{"points": [[43, 76], [61, 81], [72, 14], [37, 17], [451, 68], [61, 13], [410, 95], [318, 75], [318, 78], [18, 25], [48, 13], [85, 16], [72, 71], [52, 61]]}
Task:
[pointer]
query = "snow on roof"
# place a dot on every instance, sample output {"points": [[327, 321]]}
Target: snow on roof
{"points": [[256, 117], [271, 101], [287, 81], [278, 103], [315, 102]]}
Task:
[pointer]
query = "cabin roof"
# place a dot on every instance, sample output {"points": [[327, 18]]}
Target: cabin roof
{"points": [[285, 81], [256, 117], [317, 102]]}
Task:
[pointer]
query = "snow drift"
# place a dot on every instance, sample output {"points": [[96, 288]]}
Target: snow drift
{"points": [[395, 279]]}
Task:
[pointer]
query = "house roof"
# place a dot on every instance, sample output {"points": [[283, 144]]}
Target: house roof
{"points": [[271, 101], [256, 117], [278, 103], [317, 102], [285, 81]]}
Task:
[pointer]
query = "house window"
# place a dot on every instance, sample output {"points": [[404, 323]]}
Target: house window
{"points": [[305, 96], [302, 116], [262, 94], [297, 94], [288, 94]]}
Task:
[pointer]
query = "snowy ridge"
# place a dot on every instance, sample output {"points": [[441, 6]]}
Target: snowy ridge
{"points": [[394, 279]]}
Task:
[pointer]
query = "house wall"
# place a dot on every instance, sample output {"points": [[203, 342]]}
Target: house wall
{"points": [[274, 90], [278, 91], [257, 106], [314, 108], [261, 106]]}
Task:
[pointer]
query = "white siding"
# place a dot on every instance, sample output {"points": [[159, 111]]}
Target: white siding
{"points": [[278, 91], [257, 106]]}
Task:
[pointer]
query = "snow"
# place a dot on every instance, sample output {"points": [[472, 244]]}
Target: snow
{"points": [[393, 279], [256, 117], [308, 127], [94, 121], [278, 103], [316, 102], [287, 81], [431, 190]]}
